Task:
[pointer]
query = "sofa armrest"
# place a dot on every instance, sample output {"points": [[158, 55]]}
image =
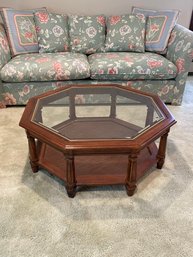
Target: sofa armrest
{"points": [[180, 52], [2, 101], [180, 48], [5, 55]]}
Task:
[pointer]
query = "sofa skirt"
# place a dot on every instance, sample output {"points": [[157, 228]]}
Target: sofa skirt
{"points": [[20, 93]]}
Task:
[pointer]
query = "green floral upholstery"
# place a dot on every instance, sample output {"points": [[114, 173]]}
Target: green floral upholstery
{"points": [[124, 66], [46, 67], [87, 33], [5, 55], [125, 33], [52, 32], [20, 93], [180, 52]]}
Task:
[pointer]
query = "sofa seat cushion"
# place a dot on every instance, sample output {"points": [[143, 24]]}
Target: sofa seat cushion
{"points": [[46, 67], [130, 66]]}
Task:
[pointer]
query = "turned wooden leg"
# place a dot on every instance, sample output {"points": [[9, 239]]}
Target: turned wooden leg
{"points": [[130, 182], [162, 150], [70, 176], [32, 153]]}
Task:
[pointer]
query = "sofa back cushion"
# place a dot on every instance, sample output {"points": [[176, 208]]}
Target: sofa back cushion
{"points": [[52, 32], [158, 27], [20, 30], [87, 33], [125, 33]]}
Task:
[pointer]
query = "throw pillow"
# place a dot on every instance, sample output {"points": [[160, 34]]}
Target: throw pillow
{"points": [[125, 33], [20, 30], [158, 27], [87, 33], [52, 32]]}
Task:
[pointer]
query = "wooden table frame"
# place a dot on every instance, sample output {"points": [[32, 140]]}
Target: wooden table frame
{"points": [[63, 157]]}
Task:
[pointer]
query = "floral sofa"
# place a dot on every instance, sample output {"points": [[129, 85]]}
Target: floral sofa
{"points": [[99, 54]]}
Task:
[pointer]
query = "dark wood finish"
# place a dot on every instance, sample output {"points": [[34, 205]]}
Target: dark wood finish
{"points": [[95, 146], [95, 170], [131, 179], [98, 128], [113, 106], [33, 156], [191, 22], [191, 28], [96, 162], [149, 118], [162, 150], [70, 176]]}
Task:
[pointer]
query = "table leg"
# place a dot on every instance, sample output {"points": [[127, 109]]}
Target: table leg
{"points": [[70, 176], [162, 150], [33, 156], [130, 182]]}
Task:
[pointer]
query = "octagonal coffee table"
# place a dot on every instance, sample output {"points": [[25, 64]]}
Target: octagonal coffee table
{"points": [[96, 135]]}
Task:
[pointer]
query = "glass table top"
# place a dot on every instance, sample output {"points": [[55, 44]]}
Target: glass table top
{"points": [[97, 113]]}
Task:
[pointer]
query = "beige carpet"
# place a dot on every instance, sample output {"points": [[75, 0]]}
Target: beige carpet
{"points": [[37, 219]]}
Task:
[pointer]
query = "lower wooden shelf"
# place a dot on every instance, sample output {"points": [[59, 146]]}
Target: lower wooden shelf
{"points": [[97, 169]]}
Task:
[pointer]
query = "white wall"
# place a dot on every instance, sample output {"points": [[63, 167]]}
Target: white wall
{"points": [[106, 7]]}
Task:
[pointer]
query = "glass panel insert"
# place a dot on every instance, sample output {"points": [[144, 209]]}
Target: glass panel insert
{"points": [[97, 113]]}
